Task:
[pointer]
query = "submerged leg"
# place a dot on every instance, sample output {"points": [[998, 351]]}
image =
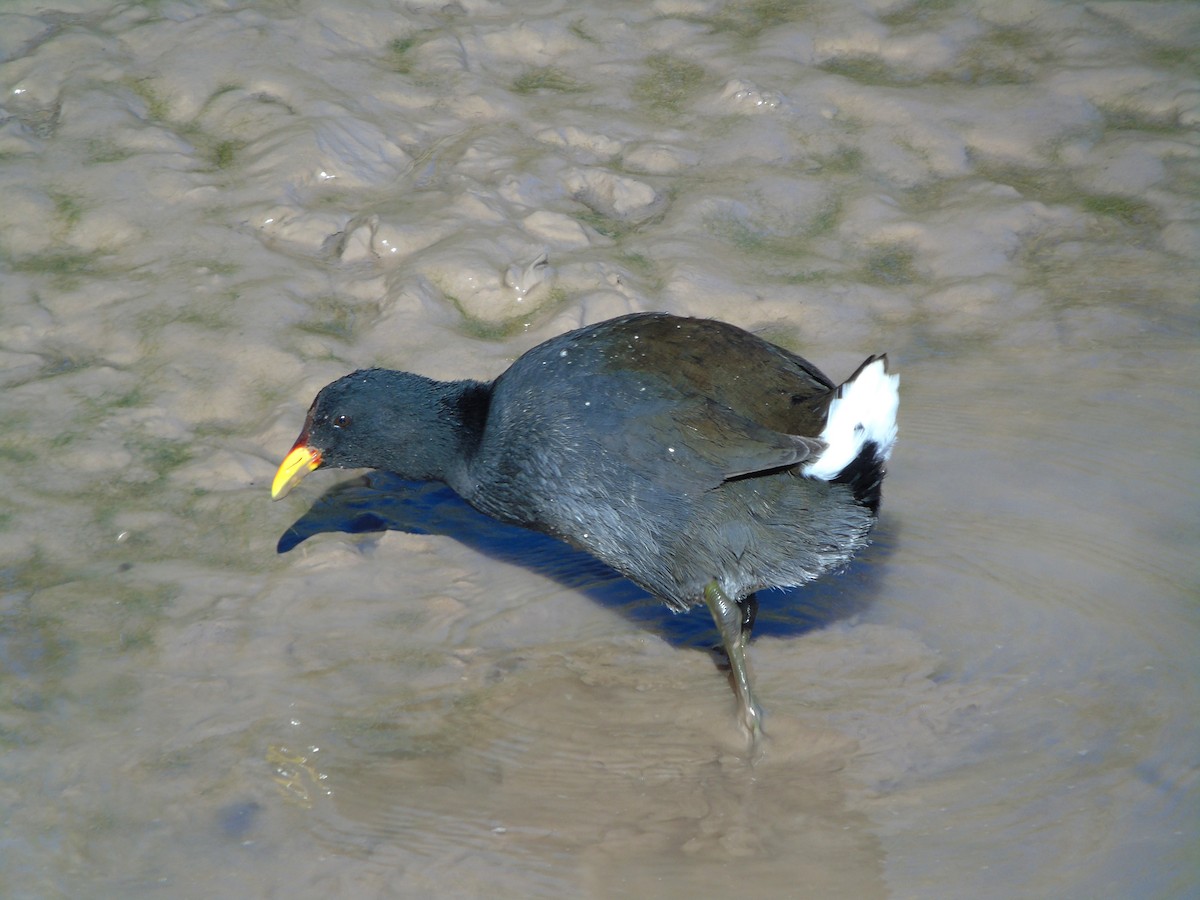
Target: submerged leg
{"points": [[734, 621]]}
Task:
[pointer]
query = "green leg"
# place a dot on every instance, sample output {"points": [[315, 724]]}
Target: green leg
{"points": [[730, 618]]}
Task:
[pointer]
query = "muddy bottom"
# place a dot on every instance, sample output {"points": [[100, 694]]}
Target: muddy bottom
{"points": [[370, 690]]}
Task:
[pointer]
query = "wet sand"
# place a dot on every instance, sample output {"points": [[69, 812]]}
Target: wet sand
{"points": [[210, 211]]}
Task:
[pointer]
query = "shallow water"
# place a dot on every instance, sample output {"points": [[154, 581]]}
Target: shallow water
{"points": [[209, 210]]}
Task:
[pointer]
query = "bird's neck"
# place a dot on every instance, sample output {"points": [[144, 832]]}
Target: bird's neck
{"points": [[451, 438], [466, 405], [424, 429]]}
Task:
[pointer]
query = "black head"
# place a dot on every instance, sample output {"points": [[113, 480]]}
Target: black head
{"points": [[380, 419]]}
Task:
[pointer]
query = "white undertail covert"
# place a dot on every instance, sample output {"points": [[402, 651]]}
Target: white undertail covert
{"points": [[863, 410]]}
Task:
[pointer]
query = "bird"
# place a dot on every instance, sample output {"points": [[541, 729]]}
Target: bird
{"points": [[695, 458]]}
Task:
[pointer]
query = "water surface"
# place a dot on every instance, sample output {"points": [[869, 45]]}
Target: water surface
{"points": [[210, 209]]}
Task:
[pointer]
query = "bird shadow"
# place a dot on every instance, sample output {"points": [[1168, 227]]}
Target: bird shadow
{"points": [[379, 501]]}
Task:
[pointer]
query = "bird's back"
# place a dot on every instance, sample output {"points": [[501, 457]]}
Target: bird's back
{"points": [[670, 448]]}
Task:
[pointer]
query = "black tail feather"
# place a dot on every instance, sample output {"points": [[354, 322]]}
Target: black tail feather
{"points": [[865, 477]]}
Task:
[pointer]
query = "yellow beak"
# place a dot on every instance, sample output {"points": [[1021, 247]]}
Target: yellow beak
{"points": [[295, 466]]}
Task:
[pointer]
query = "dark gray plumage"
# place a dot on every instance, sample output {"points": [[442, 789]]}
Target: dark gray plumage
{"points": [[695, 458]]}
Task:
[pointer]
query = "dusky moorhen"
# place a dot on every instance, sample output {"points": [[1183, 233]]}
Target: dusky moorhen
{"points": [[697, 459]]}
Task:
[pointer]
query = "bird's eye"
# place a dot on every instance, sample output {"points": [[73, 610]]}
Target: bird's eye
{"points": [[341, 422]]}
